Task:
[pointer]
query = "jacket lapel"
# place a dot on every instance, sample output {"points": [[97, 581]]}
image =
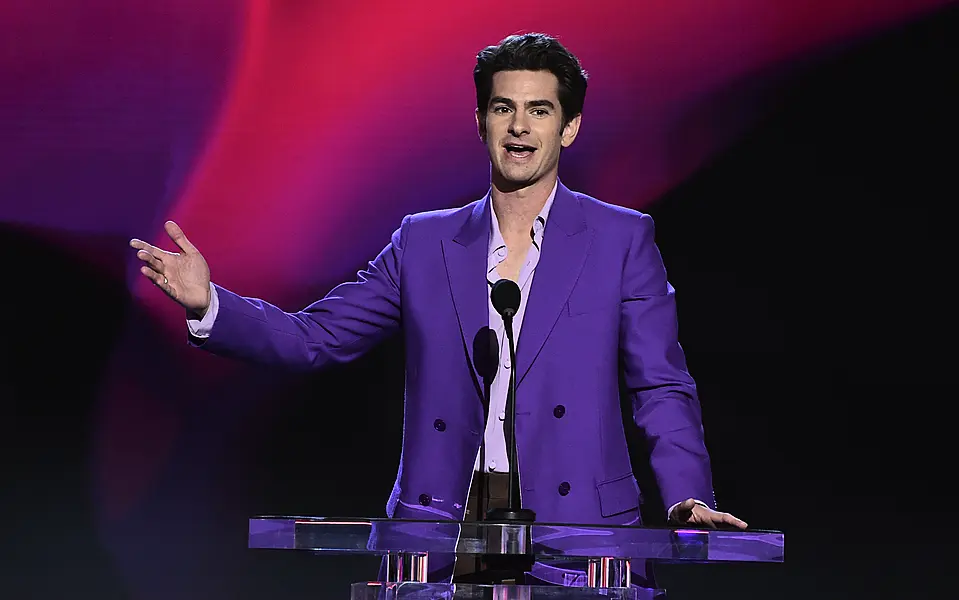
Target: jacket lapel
{"points": [[566, 244], [465, 256]]}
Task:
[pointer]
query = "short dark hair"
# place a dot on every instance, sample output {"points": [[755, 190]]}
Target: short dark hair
{"points": [[532, 52]]}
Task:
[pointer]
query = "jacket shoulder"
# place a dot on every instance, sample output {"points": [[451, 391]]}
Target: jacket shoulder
{"points": [[441, 222], [607, 215]]}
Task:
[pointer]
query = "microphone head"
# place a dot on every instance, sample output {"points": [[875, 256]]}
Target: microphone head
{"points": [[506, 297]]}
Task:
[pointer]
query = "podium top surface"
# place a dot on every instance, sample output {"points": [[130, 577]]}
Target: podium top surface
{"points": [[548, 540]]}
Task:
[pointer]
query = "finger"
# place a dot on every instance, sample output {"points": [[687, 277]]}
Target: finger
{"points": [[155, 263], [179, 238], [706, 521], [705, 517], [734, 521], [715, 519], [158, 280], [141, 245]]}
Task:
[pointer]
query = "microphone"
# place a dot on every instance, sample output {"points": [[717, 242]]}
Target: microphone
{"points": [[505, 296]]}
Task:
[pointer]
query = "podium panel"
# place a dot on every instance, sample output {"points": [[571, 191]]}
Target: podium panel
{"points": [[418, 555], [384, 536]]}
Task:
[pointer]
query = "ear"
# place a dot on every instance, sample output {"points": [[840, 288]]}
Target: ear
{"points": [[571, 131], [481, 125]]}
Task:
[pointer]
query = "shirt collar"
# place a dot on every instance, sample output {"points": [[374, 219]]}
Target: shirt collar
{"points": [[539, 224]]}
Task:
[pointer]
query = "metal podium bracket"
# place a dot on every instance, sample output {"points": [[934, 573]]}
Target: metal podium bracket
{"points": [[407, 567], [608, 572]]}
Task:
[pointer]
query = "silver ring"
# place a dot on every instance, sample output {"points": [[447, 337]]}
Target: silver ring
{"points": [[165, 280]]}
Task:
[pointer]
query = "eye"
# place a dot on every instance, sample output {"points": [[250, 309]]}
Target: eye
{"points": [[500, 110], [540, 112]]}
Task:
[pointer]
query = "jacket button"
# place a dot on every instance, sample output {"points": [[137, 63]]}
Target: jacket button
{"points": [[439, 425], [425, 499], [564, 488], [559, 411]]}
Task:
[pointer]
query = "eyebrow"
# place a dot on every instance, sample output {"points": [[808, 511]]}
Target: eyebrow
{"points": [[530, 104]]}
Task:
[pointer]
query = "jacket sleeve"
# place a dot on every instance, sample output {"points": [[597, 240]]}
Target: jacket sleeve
{"points": [[665, 405], [350, 320]]}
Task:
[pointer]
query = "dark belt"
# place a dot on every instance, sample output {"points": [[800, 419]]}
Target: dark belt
{"points": [[488, 490]]}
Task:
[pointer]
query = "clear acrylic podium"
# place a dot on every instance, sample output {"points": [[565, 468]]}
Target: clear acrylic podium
{"points": [[604, 555]]}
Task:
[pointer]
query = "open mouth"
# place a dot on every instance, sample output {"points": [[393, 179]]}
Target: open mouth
{"points": [[519, 151]]}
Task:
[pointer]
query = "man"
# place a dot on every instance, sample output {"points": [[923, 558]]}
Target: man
{"points": [[595, 307]]}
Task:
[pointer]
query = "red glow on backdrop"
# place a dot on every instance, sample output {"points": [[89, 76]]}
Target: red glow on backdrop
{"points": [[333, 102]]}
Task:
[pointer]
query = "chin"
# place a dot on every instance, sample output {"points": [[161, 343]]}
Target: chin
{"points": [[515, 183], [518, 176]]}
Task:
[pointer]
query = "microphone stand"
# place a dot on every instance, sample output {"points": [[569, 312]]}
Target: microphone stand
{"points": [[514, 540]]}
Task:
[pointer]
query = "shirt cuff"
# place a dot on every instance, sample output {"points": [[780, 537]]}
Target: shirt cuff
{"points": [[201, 328]]}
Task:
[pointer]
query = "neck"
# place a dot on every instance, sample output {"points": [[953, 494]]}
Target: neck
{"points": [[516, 208]]}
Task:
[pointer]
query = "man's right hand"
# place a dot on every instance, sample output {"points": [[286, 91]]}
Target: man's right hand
{"points": [[184, 275]]}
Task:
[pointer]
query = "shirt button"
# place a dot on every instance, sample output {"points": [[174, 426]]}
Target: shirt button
{"points": [[507, 363], [501, 252], [492, 465], [439, 425], [502, 416], [425, 499], [564, 488], [559, 411]]}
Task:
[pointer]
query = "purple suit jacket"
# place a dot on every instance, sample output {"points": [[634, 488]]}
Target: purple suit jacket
{"points": [[600, 308]]}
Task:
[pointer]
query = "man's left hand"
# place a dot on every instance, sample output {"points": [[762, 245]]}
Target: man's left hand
{"points": [[689, 512]]}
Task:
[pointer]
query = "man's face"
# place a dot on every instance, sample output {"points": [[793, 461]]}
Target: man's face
{"points": [[523, 128]]}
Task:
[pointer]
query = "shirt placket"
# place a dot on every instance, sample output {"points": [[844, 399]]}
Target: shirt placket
{"points": [[497, 405]]}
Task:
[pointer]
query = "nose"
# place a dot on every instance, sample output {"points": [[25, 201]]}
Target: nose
{"points": [[519, 124]]}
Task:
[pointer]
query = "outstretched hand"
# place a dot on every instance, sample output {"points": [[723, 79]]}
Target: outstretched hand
{"points": [[184, 275], [689, 512]]}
